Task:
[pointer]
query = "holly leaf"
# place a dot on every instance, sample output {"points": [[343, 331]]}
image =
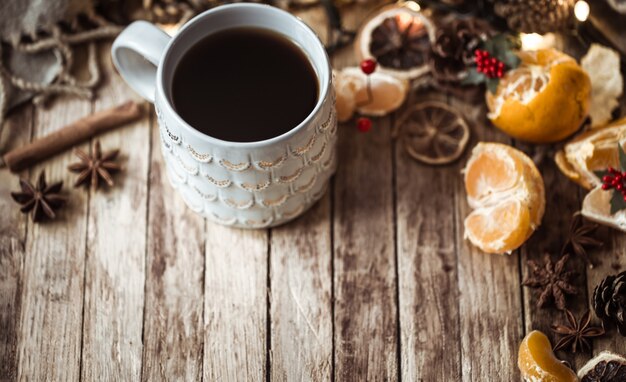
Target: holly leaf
{"points": [[622, 157], [473, 77], [510, 59], [601, 173], [617, 202], [492, 84]]}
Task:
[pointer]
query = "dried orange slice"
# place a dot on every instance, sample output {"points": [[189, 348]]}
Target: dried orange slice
{"points": [[537, 362], [591, 151], [605, 367], [506, 191], [434, 133], [387, 93], [544, 100], [398, 37]]}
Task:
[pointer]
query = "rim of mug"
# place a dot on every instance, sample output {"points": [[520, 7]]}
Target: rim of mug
{"points": [[324, 87]]}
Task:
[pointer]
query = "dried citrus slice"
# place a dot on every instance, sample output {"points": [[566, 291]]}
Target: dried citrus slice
{"points": [[506, 191], [387, 93], [434, 133], [605, 367], [544, 100], [398, 37], [537, 362], [591, 151]]}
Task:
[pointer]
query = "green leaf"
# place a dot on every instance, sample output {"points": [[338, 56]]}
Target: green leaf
{"points": [[488, 45], [617, 202], [473, 77], [510, 59], [601, 173], [622, 157], [492, 84]]}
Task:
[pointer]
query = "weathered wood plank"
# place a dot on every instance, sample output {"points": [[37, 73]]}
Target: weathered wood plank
{"points": [[54, 266], [427, 267], [235, 304], [365, 321], [301, 289], [490, 302], [365, 286], [561, 202], [116, 246], [173, 319], [17, 131]]}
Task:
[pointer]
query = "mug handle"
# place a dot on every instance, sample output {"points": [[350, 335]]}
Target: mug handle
{"points": [[136, 53]]}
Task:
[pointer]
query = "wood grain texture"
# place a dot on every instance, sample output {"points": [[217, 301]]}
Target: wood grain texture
{"points": [[427, 267], [301, 289], [490, 301], [365, 288], [174, 301], [365, 320], [561, 202], [235, 304], [114, 289], [18, 130], [51, 313]]}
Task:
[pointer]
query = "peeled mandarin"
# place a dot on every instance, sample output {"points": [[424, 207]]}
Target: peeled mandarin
{"points": [[544, 100], [506, 191], [537, 361]]}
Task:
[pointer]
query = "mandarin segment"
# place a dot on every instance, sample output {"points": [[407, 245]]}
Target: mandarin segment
{"points": [[506, 191], [537, 362]]}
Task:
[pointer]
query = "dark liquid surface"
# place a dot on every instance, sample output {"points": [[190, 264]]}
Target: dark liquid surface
{"points": [[244, 85]]}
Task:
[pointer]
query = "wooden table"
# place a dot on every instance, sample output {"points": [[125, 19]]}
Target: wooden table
{"points": [[374, 283]]}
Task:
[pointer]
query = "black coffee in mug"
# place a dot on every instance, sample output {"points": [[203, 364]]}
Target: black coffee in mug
{"points": [[244, 85]]}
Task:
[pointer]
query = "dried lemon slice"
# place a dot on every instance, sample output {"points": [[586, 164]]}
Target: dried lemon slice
{"points": [[434, 133]]}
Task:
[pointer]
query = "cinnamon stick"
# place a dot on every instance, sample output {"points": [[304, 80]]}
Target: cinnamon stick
{"points": [[70, 135]]}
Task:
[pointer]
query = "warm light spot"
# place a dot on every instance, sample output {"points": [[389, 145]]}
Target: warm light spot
{"points": [[581, 10], [412, 5], [534, 41]]}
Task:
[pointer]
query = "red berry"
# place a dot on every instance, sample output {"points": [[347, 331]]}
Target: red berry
{"points": [[619, 187], [606, 187], [364, 124], [612, 170], [607, 178], [368, 66]]}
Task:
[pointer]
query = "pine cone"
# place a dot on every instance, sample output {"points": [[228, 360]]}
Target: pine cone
{"points": [[609, 301], [453, 49], [538, 16]]}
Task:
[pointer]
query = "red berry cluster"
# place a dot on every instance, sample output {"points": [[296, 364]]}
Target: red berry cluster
{"points": [[615, 179], [489, 66]]}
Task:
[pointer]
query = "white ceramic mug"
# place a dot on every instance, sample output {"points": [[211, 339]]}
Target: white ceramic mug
{"points": [[244, 184]]}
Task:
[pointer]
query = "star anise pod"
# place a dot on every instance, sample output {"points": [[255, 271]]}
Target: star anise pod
{"points": [[42, 199], [553, 280], [579, 237], [577, 334], [96, 167]]}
